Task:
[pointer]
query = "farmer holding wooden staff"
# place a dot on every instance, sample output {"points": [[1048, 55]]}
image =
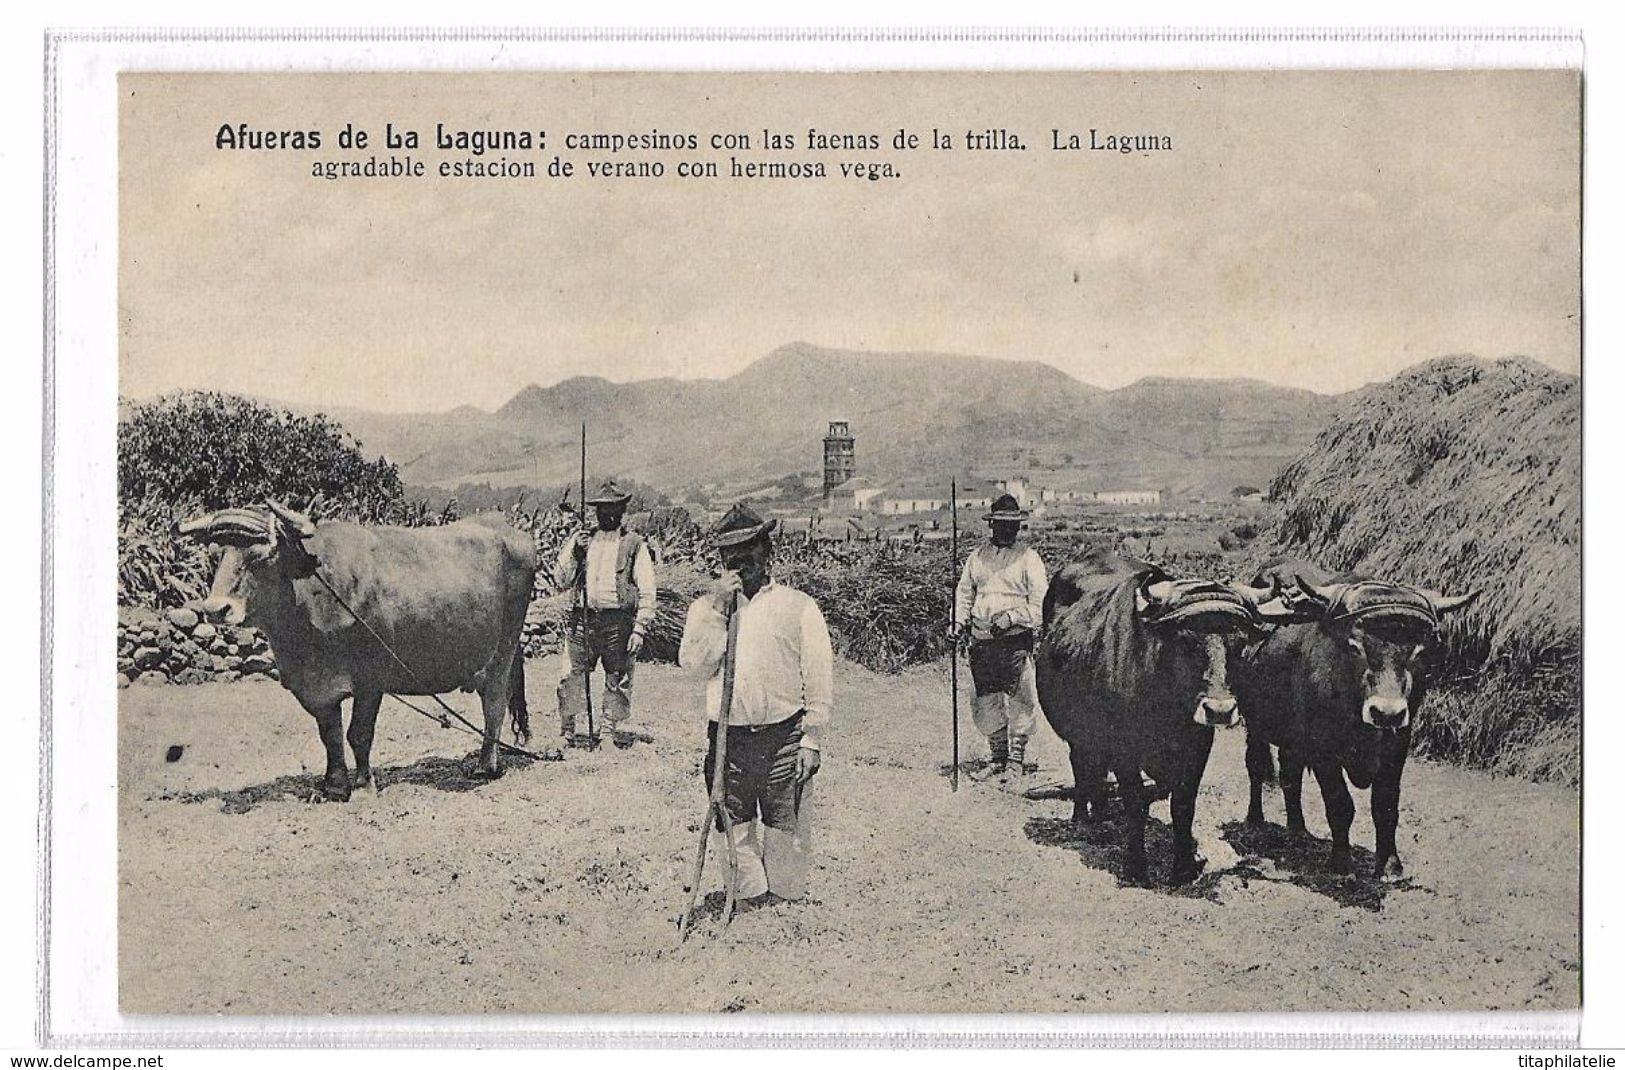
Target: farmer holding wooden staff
{"points": [[1000, 599], [620, 609], [782, 685]]}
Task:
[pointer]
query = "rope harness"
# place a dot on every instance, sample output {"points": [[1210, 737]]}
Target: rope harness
{"points": [[445, 718]]}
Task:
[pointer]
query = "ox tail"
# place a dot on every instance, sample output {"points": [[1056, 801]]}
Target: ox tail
{"points": [[518, 709]]}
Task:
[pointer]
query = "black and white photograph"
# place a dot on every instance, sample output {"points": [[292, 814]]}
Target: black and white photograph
{"points": [[885, 542]]}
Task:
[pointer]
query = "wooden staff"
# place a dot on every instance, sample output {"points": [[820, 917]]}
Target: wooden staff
{"points": [[581, 585], [716, 803], [953, 620]]}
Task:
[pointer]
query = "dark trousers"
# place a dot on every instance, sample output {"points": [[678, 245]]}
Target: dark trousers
{"points": [[996, 663], [1006, 703], [761, 773], [602, 641]]}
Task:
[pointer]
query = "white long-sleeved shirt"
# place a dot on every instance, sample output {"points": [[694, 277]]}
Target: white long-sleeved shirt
{"points": [[1001, 579], [602, 553], [783, 663]]}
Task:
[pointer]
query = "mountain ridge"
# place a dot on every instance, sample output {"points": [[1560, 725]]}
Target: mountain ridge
{"points": [[911, 412]]}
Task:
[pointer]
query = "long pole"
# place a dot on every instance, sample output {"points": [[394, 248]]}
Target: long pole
{"points": [[581, 581], [716, 803], [953, 620]]}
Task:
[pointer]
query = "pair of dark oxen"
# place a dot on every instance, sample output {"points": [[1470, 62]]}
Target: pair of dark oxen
{"points": [[1136, 669]]}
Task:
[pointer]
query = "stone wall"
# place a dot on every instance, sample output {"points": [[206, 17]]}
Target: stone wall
{"points": [[177, 646]]}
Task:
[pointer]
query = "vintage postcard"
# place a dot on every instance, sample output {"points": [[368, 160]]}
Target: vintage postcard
{"points": [[1054, 543]]}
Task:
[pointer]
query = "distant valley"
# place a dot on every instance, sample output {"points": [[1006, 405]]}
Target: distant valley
{"points": [[916, 417]]}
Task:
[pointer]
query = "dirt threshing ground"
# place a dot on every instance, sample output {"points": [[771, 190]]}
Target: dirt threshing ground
{"points": [[557, 887]]}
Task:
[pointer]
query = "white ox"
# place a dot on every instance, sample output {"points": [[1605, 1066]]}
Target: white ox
{"points": [[448, 601]]}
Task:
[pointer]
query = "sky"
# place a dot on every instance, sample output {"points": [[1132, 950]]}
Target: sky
{"points": [[1313, 229]]}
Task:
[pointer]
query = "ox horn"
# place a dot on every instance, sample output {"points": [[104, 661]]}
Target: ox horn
{"points": [[1446, 603], [1272, 604], [1152, 593], [1257, 593], [299, 522], [1266, 601], [195, 527], [1138, 564], [1326, 594], [235, 526]]}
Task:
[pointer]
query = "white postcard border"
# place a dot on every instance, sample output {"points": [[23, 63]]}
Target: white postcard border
{"points": [[78, 891]]}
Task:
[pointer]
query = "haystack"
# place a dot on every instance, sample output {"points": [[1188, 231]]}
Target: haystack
{"points": [[1458, 474]]}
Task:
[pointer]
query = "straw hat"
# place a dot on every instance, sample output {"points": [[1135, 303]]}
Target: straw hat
{"points": [[740, 525], [1005, 507]]}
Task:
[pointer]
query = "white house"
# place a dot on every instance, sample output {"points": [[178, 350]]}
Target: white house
{"points": [[853, 495], [1017, 488], [1128, 497], [900, 501]]}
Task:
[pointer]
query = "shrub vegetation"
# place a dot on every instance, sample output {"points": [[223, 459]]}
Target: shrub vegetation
{"points": [[189, 452]]}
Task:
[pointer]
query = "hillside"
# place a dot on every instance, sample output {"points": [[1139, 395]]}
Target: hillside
{"points": [[912, 413], [1459, 474], [1462, 474]]}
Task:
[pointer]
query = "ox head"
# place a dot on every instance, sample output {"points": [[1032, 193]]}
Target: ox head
{"points": [[1198, 625], [1382, 631], [259, 545]]}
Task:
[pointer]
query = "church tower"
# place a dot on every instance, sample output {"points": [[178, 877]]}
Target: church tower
{"points": [[840, 456]]}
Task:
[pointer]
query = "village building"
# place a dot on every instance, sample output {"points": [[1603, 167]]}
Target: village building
{"points": [[840, 456], [854, 495], [1077, 496], [1128, 497], [905, 499], [908, 498], [1018, 488]]}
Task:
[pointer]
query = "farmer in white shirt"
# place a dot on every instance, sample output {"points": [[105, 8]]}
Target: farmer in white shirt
{"points": [[620, 582], [1000, 600], [783, 669]]}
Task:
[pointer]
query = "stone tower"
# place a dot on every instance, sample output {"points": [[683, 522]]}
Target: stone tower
{"points": [[840, 456]]}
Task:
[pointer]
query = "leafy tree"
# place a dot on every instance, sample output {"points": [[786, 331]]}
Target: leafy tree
{"points": [[212, 450], [190, 452]]}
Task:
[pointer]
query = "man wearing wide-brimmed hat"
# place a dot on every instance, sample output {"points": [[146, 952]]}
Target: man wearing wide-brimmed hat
{"points": [[619, 576], [782, 683], [1000, 602]]}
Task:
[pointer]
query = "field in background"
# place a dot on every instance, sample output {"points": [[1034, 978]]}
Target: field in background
{"points": [[1458, 474]]}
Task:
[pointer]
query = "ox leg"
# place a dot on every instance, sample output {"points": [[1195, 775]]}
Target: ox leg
{"points": [[330, 723], [1136, 801], [1292, 791], [1088, 787], [1385, 815], [363, 721], [494, 699], [1259, 768], [1188, 861], [1334, 792]]}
